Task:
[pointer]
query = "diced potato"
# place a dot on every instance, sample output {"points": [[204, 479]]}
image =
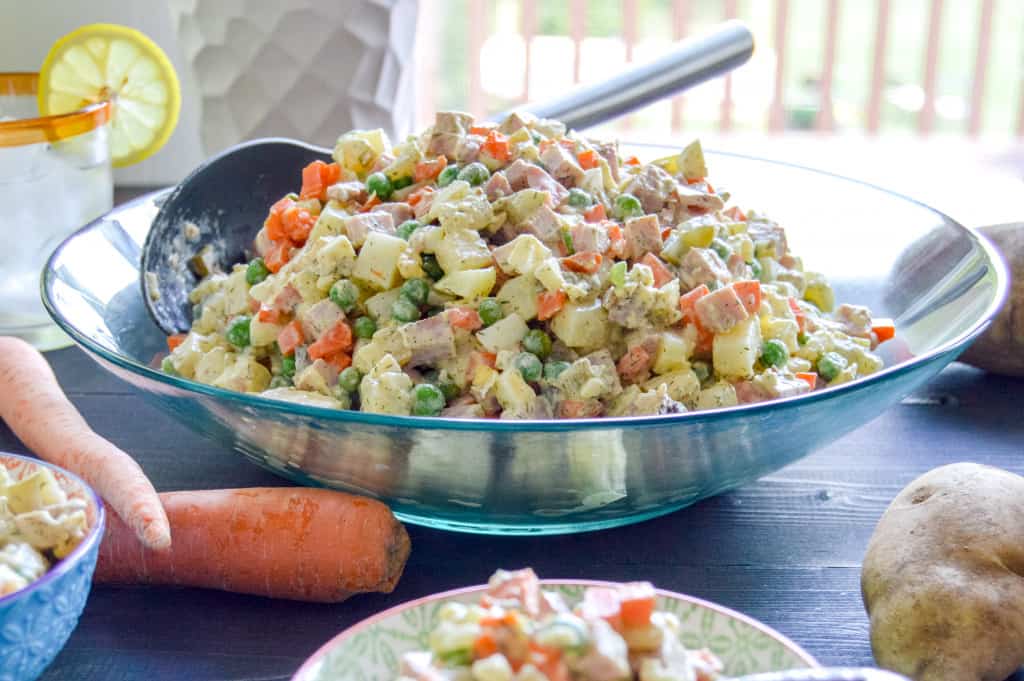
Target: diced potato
{"points": [[404, 165], [377, 263], [410, 266], [379, 306], [741, 244], [522, 255], [581, 325], [358, 150], [306, 282], [186, 356], [212, 364], [335, 257], [468, 284], [721, 394], [514, 394], [262, 334], [549, 274], [462, 249], [522, 204], [519, 296], [244, 374], [386, 389], [504, 334], [386, 342], [783, 329], [735, 351], [819, 292], [682, 386], [691, 161], [331, 221], [34, 491], [311, 380], [673, 353]]}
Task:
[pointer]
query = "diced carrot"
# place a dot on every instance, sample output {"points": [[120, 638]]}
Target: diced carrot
{"points": [[636, 604], [736, 214], [339, 360], [588, 159], [496, 145], [810, 377], [274, 227], [617, 246], [586, 262], [254, 305], [801, 318], [884, 329], [336, 339], [634, 364], [687, 305], [711, 190], [632, 161], [271, 315], [298, 223], [595, 213], [484, 645], [329, 174], [281, 205], [690, 298], [418, 195], [549, 662], [549, 303], [374, 200], [290, 338], [662, 275], [278, 255], [312, 181], [694, 180], [464, 318], [578, 409], [428, 170], [175, 340], [481, 129], [749, 292]]}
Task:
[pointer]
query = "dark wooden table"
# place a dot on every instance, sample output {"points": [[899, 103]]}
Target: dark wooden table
{"points": [[785, 550]]}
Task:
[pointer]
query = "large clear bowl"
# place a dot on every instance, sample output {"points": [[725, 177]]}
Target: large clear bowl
{"points": [[941, 282]]}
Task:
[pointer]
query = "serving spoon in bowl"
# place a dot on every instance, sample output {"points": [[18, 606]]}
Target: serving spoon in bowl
{"points": [[217, 210]]}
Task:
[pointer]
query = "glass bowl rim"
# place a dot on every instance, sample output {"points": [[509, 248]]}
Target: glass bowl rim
{"points": [[92, 538], [25, 131], [366, 623], [322, 414]]}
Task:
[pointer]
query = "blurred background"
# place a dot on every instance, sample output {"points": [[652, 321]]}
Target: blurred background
{"points": [[924, 96]]}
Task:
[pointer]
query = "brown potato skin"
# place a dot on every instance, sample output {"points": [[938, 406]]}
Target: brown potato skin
{"points": [[1001, 348], [943, 577]]}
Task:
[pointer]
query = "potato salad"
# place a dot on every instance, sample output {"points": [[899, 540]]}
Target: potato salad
{"points": [[39, 525], [519, 271], [520, 632]]}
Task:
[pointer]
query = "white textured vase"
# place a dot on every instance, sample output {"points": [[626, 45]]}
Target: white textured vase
{"points": [[306, 69]]}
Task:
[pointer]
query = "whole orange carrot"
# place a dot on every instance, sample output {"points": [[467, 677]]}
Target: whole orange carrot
{"points": [[33, 405], [282, 542]]}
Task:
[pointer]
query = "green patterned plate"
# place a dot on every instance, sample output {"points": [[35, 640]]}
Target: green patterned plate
{"points": [[370, 650]]}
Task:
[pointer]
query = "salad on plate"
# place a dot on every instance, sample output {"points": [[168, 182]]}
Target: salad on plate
{"points": [[518, 271]]}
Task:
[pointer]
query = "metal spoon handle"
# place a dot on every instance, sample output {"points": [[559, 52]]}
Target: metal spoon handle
{"points": [[694, 61], [826, 674]]}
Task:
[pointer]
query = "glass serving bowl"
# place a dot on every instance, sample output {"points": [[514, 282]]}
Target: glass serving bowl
{"points": [[941, 283]]}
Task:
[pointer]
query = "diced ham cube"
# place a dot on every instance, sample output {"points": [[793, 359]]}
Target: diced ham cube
{"points": [[348, 192], [468, 149], [561, 165], [652, 186], [423, 207], [382, 162], [287, 299], [702, 266], [306, 381], [515, 121], [738, 267], [543, 224], [643, 235], [721, 310], [319, 318], [429, 340], [768, 233], [518, 586], [400, 212], [587, 236], [855, 319], [449, 129], [578, 409], [463, 407], [610, 153], [607, 658], [522, 175], [358, 226], [497, 187], [696, 201]]}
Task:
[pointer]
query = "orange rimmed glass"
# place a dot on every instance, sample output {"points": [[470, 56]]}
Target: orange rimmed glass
{"points": [[54, 177]]}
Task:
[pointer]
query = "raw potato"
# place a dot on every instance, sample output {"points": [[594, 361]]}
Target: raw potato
{"points": [[943, 577], [1001, 348]]}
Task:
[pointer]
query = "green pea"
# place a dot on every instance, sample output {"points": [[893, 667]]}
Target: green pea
{"points": [[537, 342], [256, 271], [447, 176], [406, 229], [702, 370], [427, 400], [721, 248], [529, 365], [364, 327], [579, 198], [405, 310], [617, 274], [167, 366], [428, 261], [349, 378], [554, 369], [415, 291], [238, 331], [450, 390], [288, 366], [830, 365], [774, 353], [570, 245], [401, 182], [490, 311], [756, 269], [627, 206], [475, 173], [802, 338], [344, 294], [379, 184]]}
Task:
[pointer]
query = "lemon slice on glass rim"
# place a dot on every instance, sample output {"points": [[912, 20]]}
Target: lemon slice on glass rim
{"points": [[107, 61]]}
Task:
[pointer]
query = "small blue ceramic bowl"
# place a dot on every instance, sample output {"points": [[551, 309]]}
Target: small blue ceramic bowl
{"points": [[36, 622]]}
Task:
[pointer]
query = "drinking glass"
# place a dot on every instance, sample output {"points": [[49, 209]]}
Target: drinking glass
{"points": [[54, 177]]}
